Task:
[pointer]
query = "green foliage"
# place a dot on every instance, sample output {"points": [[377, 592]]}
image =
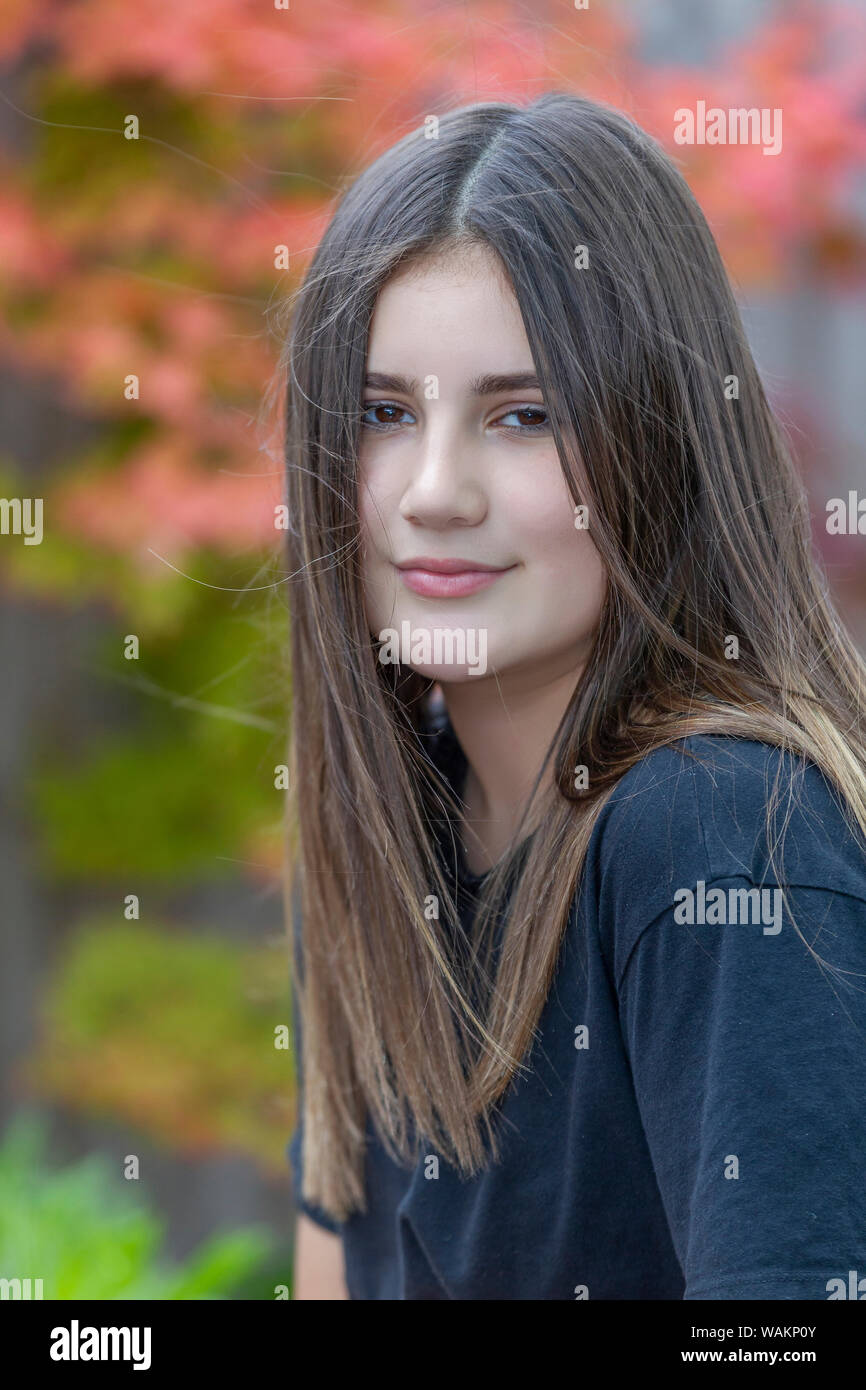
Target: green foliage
{"points": [[86, 1233], [145, 809], [175, 1035], [65, 166], [194, 779], [61, 564]]}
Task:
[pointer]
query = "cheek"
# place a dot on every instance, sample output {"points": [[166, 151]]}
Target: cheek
{"points": [[367, 506], [574, 577], [373, 530], [542, 516], [377, 578], [378, 489], [562, 556], [585, 575]]}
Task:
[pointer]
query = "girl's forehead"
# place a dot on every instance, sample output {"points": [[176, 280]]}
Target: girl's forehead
{"points": [[474, 297], [458, 261]]}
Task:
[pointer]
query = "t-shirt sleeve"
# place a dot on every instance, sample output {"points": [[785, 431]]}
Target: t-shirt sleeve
{"points": [[295, 1148], [749, 1064]]}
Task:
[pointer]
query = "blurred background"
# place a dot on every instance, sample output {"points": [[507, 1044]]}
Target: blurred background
{"points": [[145, 696]]}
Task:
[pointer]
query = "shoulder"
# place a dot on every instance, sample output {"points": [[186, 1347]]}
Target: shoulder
{"points": [[703, 801], [714, 807]]}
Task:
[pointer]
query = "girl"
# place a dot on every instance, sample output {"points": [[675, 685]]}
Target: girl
{"points": [[578, 755]]}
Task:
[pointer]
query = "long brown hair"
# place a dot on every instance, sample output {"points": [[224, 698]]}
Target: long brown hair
{"points": [[703, 527]]}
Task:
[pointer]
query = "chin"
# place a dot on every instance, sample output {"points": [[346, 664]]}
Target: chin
{"points": [[453, 675]]}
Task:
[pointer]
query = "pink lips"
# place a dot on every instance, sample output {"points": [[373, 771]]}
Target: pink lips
{"points": [[448, 578]]}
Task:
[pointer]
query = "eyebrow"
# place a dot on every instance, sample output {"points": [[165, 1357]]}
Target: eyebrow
{"points": [[489, 385]]}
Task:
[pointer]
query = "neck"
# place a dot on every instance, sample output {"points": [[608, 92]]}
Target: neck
{"points": [[505, 728]]}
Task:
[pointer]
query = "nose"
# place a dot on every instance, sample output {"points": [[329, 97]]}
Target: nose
{"points": [[444, 485]]}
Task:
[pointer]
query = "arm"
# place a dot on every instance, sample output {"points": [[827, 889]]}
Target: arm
{"points": [[319, 1267]]}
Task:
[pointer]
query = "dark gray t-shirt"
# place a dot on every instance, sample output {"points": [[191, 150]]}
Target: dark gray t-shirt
{"points": [[694, 1122]]}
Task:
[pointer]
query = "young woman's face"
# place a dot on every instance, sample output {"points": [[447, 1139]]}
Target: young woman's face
{"points": [[456, 468]]}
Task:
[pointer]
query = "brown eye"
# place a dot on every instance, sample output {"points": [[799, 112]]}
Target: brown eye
{"points": [[385, 413], [535, 425]]}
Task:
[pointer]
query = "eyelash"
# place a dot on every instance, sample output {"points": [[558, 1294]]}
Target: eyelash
{"points": [[512, 429]]}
